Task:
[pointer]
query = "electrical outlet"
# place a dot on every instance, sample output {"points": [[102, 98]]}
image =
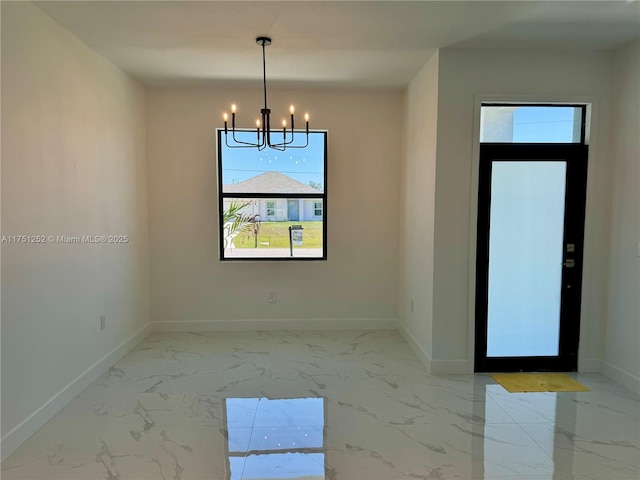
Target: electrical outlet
{"points": [[103, 322], [272, 297], [412, 305]]}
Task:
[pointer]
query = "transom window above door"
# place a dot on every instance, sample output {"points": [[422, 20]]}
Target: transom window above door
{"points": [[532, 123]]}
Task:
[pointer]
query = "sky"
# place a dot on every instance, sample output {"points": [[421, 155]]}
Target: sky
{"points": [[304, 164], [543, 124]]}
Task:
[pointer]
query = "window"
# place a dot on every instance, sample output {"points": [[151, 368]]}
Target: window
{"points": [[271, 209], [532, 123], [272, 204]]}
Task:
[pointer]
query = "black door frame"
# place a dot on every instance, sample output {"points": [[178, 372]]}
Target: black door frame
{"points": [[576, 155]]}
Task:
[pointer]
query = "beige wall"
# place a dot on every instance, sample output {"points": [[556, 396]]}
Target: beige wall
{"points": [[73, 163], [360, 276], [417, 206], [464, 74], [622, 355]]}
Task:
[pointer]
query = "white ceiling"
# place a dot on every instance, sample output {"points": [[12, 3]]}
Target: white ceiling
{"points": [[346, 43]]}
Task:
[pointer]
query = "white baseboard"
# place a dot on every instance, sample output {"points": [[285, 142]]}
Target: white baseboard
{"points": [[624, 378], [451, 367], [591, 365], [434, 366], [271, 324], [420, 352], [37, 419]]}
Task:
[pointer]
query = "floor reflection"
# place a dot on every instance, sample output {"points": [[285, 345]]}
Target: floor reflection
{"points": [[576, 434], [276, 438], [500, 448]]}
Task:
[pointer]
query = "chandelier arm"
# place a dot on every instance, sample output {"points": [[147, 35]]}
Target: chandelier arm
{"points": [[277, 147], [285, 141], [240, 144], [299, 146], [284, 137], [226, 141], [288, 143], [250, 144], [243, 144]]}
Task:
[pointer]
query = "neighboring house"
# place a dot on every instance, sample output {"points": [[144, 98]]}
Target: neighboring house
{"points": [[292, 209]]}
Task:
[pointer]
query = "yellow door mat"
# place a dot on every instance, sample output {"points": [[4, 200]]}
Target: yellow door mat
{"points": [[538, 382]]}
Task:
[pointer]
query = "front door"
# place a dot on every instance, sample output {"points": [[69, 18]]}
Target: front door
{"points": [[531, 209], [293, 210]]}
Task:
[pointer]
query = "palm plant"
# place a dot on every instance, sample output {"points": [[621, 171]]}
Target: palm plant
{"points": [[236, 220]]}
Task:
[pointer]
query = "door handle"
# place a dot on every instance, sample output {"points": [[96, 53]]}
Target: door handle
{"points": [[570, 263]]}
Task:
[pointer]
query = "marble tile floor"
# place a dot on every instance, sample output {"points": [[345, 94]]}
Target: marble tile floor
{"points": [[323, 405]]}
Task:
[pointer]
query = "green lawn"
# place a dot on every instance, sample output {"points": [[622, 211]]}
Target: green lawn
{"points": [[276, 235]]}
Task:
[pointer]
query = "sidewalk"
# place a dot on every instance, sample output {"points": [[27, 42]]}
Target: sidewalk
{"points": [[272, 252]]}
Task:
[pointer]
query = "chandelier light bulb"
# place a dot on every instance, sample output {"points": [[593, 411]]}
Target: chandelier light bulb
{"points": [[284, 123], [306, 117], [233, 108], [292, 110], [225, 116], [258, 123]]}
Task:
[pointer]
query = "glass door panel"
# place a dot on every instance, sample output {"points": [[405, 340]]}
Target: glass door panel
{"points": [[525, 258]]}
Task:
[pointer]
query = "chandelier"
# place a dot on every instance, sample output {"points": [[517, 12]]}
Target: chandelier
{"points": [[263, 123]]}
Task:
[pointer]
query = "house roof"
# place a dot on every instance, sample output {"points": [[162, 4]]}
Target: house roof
{"points": [[269, 182]]}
